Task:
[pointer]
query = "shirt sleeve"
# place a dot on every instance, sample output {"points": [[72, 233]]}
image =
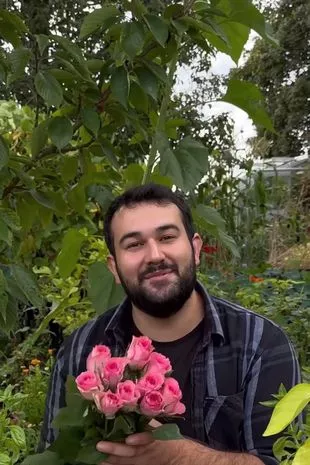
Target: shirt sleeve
{"points": [[277, 364], [54, 401]]}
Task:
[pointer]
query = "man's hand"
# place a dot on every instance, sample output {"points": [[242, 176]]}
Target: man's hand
{"points": [[142, 449]]}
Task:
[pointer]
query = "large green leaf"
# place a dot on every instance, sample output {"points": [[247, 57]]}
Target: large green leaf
{"points": [[303, 454], [4, 153], [100, 18], [39, 139], [60, 131], [11, 27], [46, 458], [77, 198], [89, 455], [138, 98], [49, 89], [120, 85], [5, 459], [11, 218], [18, 436], [69, 168], [237, 36], [103, 291], [244, 12], [158, 28], [91, 120], [18, 60], [210, 216], [70, 252], [249, 98], [288, 408], [26, 283], [133, 39], [148, 81], [186, 165], [43, 41], [5, 233], [4, 298]]}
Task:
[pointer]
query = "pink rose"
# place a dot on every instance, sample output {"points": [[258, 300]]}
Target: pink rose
{"points": [[176, 408], [152, 404], [114, 369], [150, 382], [97, 358], [88, 384], [171, 391], [129, 394], [108, 403], [159, 363], [139, 352]]}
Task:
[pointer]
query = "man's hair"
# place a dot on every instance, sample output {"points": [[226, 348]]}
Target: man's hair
{"points": [[148, 193]]}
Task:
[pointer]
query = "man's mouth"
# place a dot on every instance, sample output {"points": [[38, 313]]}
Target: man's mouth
{"points": [[158, 274]]}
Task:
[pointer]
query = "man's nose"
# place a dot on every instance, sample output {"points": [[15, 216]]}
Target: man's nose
{"points": [[154, 252]]}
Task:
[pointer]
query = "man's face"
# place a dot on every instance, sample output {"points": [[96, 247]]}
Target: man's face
{"points": [[154, 259]]}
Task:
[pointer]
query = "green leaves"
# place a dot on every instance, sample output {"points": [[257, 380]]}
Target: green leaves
{"points": [[158, 28], [100, 18], [91, 120], [18, 436], [11, 27], [210, 221], [4, 298], [60, 131], [288, 408], [18, 60], [120, 86], [39, 139], [302, 455], [249, 98], [70, 252], [27, 285], [4, 153], [148, 82], [133, 38], [49, 89], [103, 291], [167, 432], [186, 165], [46, 458]]}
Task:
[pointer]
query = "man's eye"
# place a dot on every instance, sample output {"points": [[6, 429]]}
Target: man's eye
{"points": [[167, 238], [134, 245]]}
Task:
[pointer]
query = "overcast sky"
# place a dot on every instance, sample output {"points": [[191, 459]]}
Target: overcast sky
{"points": [[222, 64]]}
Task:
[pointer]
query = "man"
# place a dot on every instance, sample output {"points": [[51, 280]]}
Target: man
{"points": [[226, 358]]}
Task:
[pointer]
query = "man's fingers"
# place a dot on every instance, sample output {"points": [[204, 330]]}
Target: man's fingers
{"points": [[116, 448], [140, 439]]}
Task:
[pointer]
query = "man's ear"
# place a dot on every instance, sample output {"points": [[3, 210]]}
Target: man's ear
{"points": [[197, 244], [112, 267]]}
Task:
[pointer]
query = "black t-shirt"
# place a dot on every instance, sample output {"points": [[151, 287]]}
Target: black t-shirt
{"points": [[181, 353]]}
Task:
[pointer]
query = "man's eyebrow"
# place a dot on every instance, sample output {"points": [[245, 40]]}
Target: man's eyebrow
{"points": [[137, 234]]}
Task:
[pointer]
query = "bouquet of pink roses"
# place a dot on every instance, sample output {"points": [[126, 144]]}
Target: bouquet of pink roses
{"points": [[115, 397]]}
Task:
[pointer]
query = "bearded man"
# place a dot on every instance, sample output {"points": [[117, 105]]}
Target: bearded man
{"points": [[226, 359]]}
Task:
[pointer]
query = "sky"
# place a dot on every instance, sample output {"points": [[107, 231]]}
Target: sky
{"points": [[221, 65]]}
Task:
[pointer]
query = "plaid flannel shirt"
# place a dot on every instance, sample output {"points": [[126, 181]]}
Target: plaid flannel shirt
{"points": [[241, 361]]}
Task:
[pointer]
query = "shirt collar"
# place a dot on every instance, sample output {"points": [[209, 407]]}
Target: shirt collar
{"points": [[121, 320]]}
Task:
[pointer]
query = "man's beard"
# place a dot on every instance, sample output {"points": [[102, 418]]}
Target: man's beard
{"points": [[168, 302]]}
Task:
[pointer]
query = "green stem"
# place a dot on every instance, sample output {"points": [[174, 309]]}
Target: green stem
{"points": [[160, 126]]}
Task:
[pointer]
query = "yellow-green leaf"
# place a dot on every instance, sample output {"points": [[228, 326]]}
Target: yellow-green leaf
{"points": [[288, 408], [302, 456]]}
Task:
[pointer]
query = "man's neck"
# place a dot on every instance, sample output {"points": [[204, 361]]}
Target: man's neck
{"points": [[174, 327]]}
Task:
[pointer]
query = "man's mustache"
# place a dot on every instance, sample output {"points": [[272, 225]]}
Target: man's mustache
{"points": [[160, 267]]}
